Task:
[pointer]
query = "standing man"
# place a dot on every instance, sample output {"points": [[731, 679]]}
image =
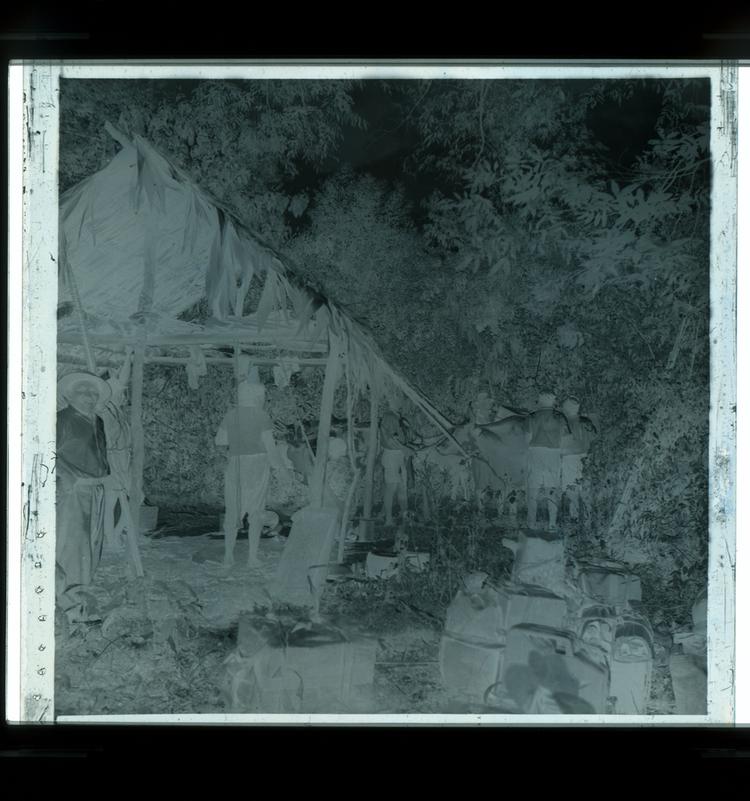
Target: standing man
{"points": [[82, 469], [393, 458], [575, 446], [247, 432], [339, 473], [546, 427], [483, 408]]}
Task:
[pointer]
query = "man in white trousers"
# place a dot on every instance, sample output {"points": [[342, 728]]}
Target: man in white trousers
{"points": [[247, 432]]}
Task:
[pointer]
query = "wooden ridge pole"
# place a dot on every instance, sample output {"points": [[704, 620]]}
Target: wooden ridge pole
{"points": [[181, 361], [136, 465]]}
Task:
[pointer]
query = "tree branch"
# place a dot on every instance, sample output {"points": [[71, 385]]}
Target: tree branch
{"points": [[482, 95]]}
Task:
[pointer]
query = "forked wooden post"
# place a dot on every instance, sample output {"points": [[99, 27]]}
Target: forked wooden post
{"points": [[372, 452], [145, 302], [136, 464], [317, 482]]}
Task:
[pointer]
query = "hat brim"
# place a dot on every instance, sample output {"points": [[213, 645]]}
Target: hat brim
{"points": [[66, 383]]}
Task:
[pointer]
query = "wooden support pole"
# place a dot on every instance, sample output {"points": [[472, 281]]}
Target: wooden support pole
{"points": [[136, 428], [135, 554], [317, 482], [372, 452], [346, 513], [237, 373]]}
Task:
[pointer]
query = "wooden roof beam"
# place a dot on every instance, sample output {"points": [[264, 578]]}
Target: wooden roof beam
{"points": [[300, 345]]}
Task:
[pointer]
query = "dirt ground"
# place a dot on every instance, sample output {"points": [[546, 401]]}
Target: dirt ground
{"points": [[163, 642], [135, 662]]}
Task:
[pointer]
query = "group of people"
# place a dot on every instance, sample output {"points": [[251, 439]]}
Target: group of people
{"points": [[558, 443], [93, 459]]}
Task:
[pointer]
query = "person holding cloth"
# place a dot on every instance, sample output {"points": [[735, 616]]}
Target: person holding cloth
{"points": [[247, 433]]}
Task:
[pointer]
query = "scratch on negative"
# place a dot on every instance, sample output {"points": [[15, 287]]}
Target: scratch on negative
{"points": [[29, 100], [732, 563], [32, 485], [46, 473], [728, 95], [27, 513]]}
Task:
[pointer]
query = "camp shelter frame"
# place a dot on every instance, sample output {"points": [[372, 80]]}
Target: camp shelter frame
{"points": [[142, 215]]}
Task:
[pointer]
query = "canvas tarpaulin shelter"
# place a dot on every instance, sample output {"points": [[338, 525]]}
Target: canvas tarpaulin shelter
{"points": [[145, 244]]}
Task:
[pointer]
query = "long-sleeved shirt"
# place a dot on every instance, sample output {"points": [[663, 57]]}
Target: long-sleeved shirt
{"points": [[547, 427], [81, 445], [242, 429]]}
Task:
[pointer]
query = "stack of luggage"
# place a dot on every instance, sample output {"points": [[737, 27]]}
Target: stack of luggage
{"points": [[550, 640]]}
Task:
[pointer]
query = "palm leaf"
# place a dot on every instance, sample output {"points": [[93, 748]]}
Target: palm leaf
{"points": [[215, 278], [136, 189]]}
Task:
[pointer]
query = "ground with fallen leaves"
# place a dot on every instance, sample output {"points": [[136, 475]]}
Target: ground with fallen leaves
{"points": [[163, 640]]}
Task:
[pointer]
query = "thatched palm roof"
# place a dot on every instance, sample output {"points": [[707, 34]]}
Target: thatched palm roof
{"points": [[144, 244]]}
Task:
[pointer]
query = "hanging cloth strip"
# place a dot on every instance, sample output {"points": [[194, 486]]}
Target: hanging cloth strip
{"points": [[283, 372], [196, 367]]}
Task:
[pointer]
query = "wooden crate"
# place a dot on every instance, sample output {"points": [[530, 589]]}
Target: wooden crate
{"points": [[333, 678]]}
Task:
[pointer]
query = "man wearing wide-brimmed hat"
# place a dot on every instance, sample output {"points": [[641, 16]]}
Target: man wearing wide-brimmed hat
{"points": [[81, 467]]}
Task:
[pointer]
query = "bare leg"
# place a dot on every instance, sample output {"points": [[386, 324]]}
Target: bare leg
{"points": [[531, 505], [230, 538], [574, 499], [254, 526], [552, 505], [403, 499], [425, 504], [388, 496], [401, 541]]}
